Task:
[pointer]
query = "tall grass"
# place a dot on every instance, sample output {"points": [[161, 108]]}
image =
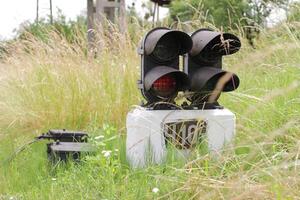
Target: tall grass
{"points": [[55, 84]]}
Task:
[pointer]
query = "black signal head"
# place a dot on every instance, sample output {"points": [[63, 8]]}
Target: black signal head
{"points": [[203, 64], [161, 78]]}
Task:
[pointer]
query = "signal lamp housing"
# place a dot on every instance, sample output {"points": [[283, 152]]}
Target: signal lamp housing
{"points": [[161, 78], [203, 64]]}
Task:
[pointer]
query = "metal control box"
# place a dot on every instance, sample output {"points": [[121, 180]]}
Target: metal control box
{"points": [[66, 145]]}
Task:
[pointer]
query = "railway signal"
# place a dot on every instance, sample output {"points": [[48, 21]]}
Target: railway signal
{"points": [[203, 64], [159, 128], [161, 78]]}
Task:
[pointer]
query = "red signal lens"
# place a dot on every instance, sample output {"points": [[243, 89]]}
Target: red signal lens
{"points": [[165, 86]]}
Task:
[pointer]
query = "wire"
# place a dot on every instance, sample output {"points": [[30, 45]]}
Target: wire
{"points": [[20, 149]]}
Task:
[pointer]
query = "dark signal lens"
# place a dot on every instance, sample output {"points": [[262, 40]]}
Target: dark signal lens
{"points": [[207, 57], [165, 86], [166, 49]]}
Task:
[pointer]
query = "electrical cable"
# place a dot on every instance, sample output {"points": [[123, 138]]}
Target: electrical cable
{"points": [[20, 149]]}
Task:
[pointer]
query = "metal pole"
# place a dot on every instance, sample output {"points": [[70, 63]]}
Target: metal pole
{"points": [[157, 15], [51, 15], [154, 11], [100, 16], [37, 11], [90, 24], [122, 16]]}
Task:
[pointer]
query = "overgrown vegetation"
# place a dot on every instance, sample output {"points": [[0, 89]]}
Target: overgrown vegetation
{"points": [[230, 14], [55, 84], [71, 30]]}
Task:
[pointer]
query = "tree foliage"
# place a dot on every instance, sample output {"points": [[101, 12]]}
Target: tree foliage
{"points": [[225, 13], [221, 13], [70, 29]]}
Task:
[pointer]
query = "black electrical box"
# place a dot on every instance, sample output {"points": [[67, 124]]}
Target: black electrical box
{"points": [[66, 145]]}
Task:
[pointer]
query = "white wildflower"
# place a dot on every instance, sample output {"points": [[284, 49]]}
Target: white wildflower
{"points": [[155, 190], [106, 154], [53, 179]]}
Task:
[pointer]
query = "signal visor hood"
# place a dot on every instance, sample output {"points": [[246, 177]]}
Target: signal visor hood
{"points": [[156, 35], [216, 43], [206, 78]]}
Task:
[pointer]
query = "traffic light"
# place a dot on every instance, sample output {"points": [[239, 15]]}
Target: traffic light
{"points": [[161, 78], [203, 64], [201, 79]]}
